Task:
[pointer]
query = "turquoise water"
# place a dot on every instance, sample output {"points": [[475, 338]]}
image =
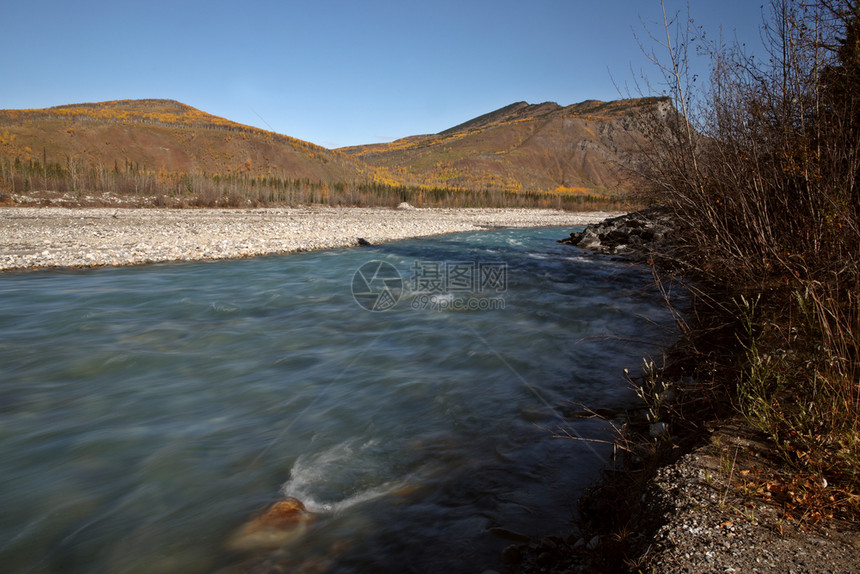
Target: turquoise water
{"points": [[147, 412]]}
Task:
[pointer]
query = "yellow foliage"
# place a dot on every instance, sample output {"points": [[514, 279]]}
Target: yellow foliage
{"points": [[163, 112], [562, 189]]}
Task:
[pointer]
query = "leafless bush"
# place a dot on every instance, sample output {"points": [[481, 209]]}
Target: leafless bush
{"points": [[762, 166], [760, 169]]}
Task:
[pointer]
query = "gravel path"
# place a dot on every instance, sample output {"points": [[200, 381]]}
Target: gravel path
{"points": [[75, 237]]}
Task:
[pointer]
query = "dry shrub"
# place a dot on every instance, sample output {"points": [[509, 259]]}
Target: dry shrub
{"points": [[761, 172]]}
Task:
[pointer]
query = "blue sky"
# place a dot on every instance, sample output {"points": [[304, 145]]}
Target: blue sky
{"points": [[336, 72]]}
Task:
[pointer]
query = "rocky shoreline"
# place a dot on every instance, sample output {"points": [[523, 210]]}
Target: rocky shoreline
{"points": [[35, 237], [708, 500], [634, 235]]}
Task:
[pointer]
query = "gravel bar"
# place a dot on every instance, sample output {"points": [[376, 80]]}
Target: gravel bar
{"points": [[32, 237]]}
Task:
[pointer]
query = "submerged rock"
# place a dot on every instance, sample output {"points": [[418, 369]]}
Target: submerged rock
{"points": [[284, 522], [509, 534]]}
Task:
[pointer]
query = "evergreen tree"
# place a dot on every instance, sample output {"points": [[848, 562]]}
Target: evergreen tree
{"points": [[841, 95]]}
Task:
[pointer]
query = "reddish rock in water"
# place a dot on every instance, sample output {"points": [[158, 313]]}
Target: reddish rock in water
{"points": [[284, 522]]}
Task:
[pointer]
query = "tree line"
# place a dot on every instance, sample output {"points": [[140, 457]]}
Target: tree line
{"points": [[77, 179]]}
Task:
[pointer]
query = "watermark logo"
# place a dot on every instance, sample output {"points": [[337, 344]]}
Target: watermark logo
{"points": [[459, 277], [377, 286], [434, 285]]}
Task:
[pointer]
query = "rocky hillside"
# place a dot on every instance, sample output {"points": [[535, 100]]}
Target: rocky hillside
{"points": [[164, 136], [523, 147], [576, 151]]}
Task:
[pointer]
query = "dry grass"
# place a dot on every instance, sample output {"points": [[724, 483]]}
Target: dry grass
{"points": [[761, 172]]}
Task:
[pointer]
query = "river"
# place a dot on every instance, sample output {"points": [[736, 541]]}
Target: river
{"points": [[408, 394]]}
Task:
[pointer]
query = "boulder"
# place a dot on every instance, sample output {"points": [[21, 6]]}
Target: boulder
{"points": [[634, 234], [281, 524]]}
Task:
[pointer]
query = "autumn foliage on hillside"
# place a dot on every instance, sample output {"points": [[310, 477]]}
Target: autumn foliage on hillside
{"points": [[522, 147], [79, 184], [163, 135], [155, 112], [165, 148]]}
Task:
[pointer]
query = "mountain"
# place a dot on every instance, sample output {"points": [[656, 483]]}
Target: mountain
{"points": [[523, 147], [165, 136], [160, 145]]}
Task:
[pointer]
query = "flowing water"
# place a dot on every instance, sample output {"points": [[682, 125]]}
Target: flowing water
{"points": [[147, 412]]}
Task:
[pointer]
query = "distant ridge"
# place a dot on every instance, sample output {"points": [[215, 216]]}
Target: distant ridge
{"points": [[487, 118], [166, 135], [581, 148]]}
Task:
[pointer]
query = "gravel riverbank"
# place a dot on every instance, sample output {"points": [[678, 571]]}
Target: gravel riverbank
{"points": [[722, 498], [32, 237], [717, 514]]}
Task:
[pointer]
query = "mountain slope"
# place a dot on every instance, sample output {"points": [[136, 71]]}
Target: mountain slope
{"points": [[166, 136], [519, 148], [523, 147]]}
